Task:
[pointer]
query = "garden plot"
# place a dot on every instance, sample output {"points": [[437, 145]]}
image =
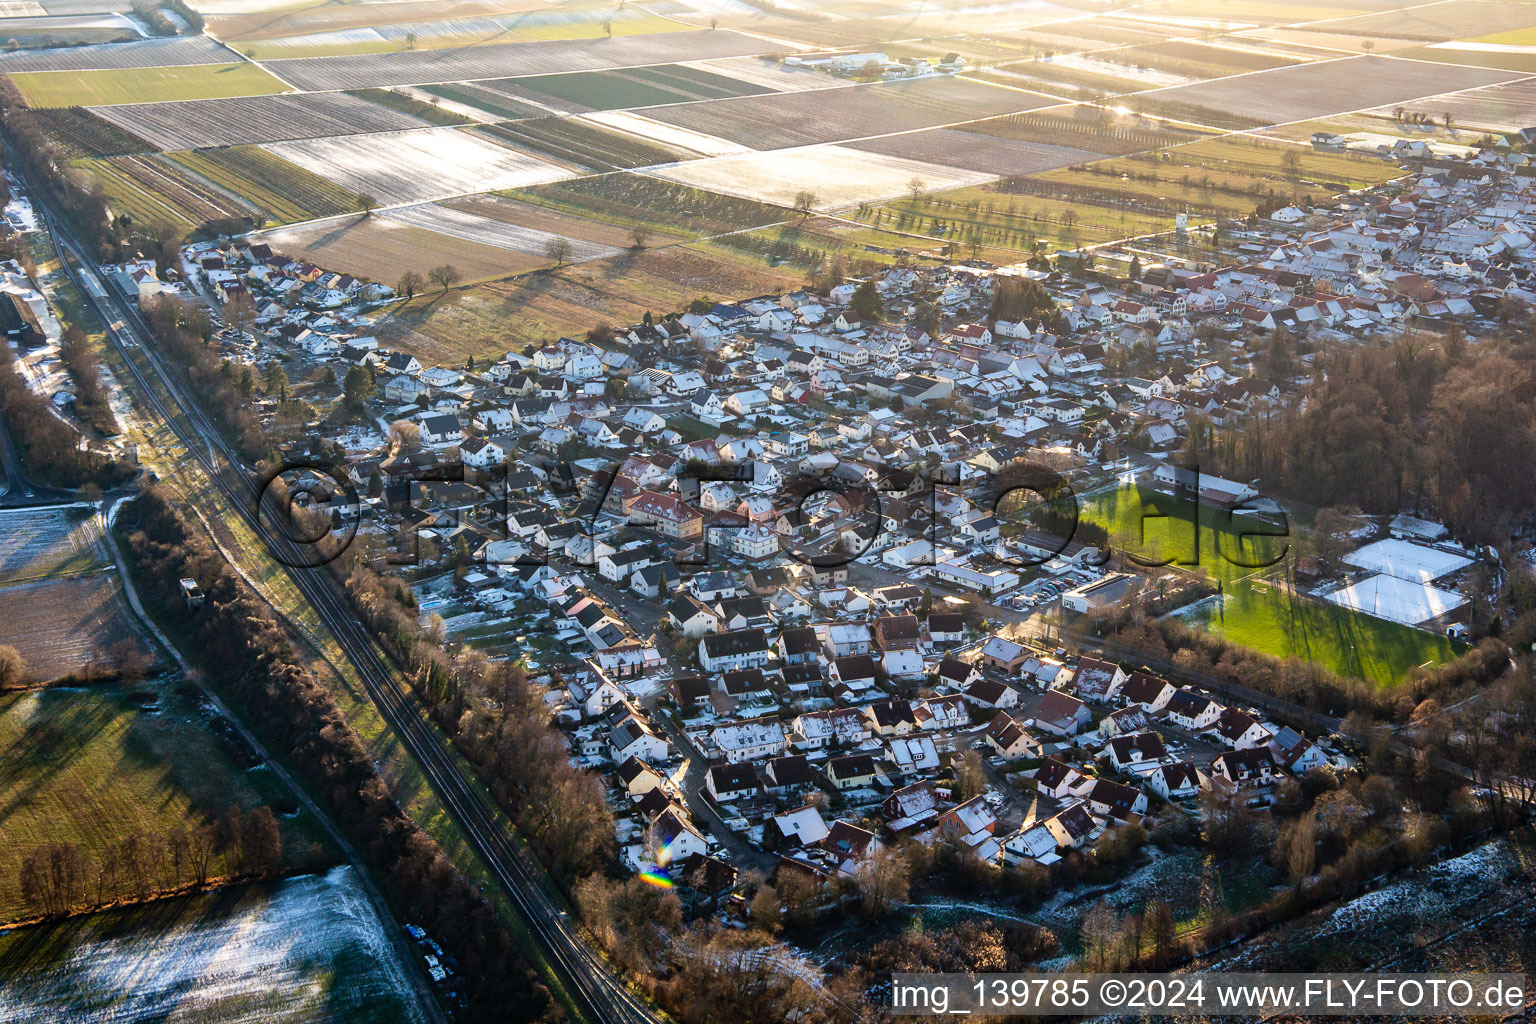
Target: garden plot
{"points": [[196, 124], [410, 167], [44, 542], [837, 176], [309, 949], [953, 147], [69, 626], [137, 53], [1328, 87], [502, 60], [482, 230], [782, 120]]}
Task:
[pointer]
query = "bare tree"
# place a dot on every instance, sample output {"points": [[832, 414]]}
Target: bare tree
{"points": [[559, 250], [410, 283], [883, 879], [404, 435], [805, 202], [640, 234], [13, 667], [366, 204], [915, 186], [445, 276], [410, 40]]}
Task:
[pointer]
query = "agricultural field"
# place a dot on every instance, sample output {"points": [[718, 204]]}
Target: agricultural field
{"points": [[1503, 56], [1497, 108], [582, 145], [991, 216], [144, 85], [1072, 77], [1439, 22], [66, 30], [627, 201], [1198, 60], [1230, 170], [154, 190], [504, 60], [35, 543], [1259, 609], [403, 102], [83, 134], [624, 89], [307, 950], [78, 625], [658, 133], [195, 124], [955, 147], [473, 226], [1087, 128], [485, 104], [593, 22], [380, 249], [137, 53], [1328, 87], [283, 191], [804, 118], [488, 319], [770, 74], [541, 218], [836, 176], [89, 767], [412, 166], [263, 19], [1337, 41]]}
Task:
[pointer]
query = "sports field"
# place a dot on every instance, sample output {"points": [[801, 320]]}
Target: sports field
{"points": [[144, 85], [1258, 607]]}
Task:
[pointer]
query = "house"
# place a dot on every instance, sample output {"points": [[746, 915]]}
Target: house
{"points": [[971, 823], [849, 845], [1010, 739], [631, 735], [897, 632], [816, 730], [989, 693], [1192, 711], [732, 781], [1295, 752], [957, 674], [857, 671], [1238, 730], [854, 771], [441, 430], [788, 776], [1037, 843], [1097, 681], [1072, 826], [1110, 799], [910, 806], [1057, 779], [742, 648], [1003, 654], [1253, 767], [1177, 780], [639, 778], [944, 712], [945, 628], [798, 645], [794, 830], [1130, 719], [913, 754], [1149, 692], [1137, 753], [750, 740], [1061, 714], [692, 617], [675, 839], [891, 717]]}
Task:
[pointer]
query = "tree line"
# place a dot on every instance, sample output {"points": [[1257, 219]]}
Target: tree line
{"points": [[48, 445], [184, 331], [58, 879], [1441, 427], [91, 402], [246, 654]]}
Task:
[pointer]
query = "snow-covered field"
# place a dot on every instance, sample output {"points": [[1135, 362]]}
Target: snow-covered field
{"points": [[840, 177], [665, 134], [413, 166], [310, 949]]}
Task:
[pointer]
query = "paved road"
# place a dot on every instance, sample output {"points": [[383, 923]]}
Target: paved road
{"points": [[598, 992]]}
